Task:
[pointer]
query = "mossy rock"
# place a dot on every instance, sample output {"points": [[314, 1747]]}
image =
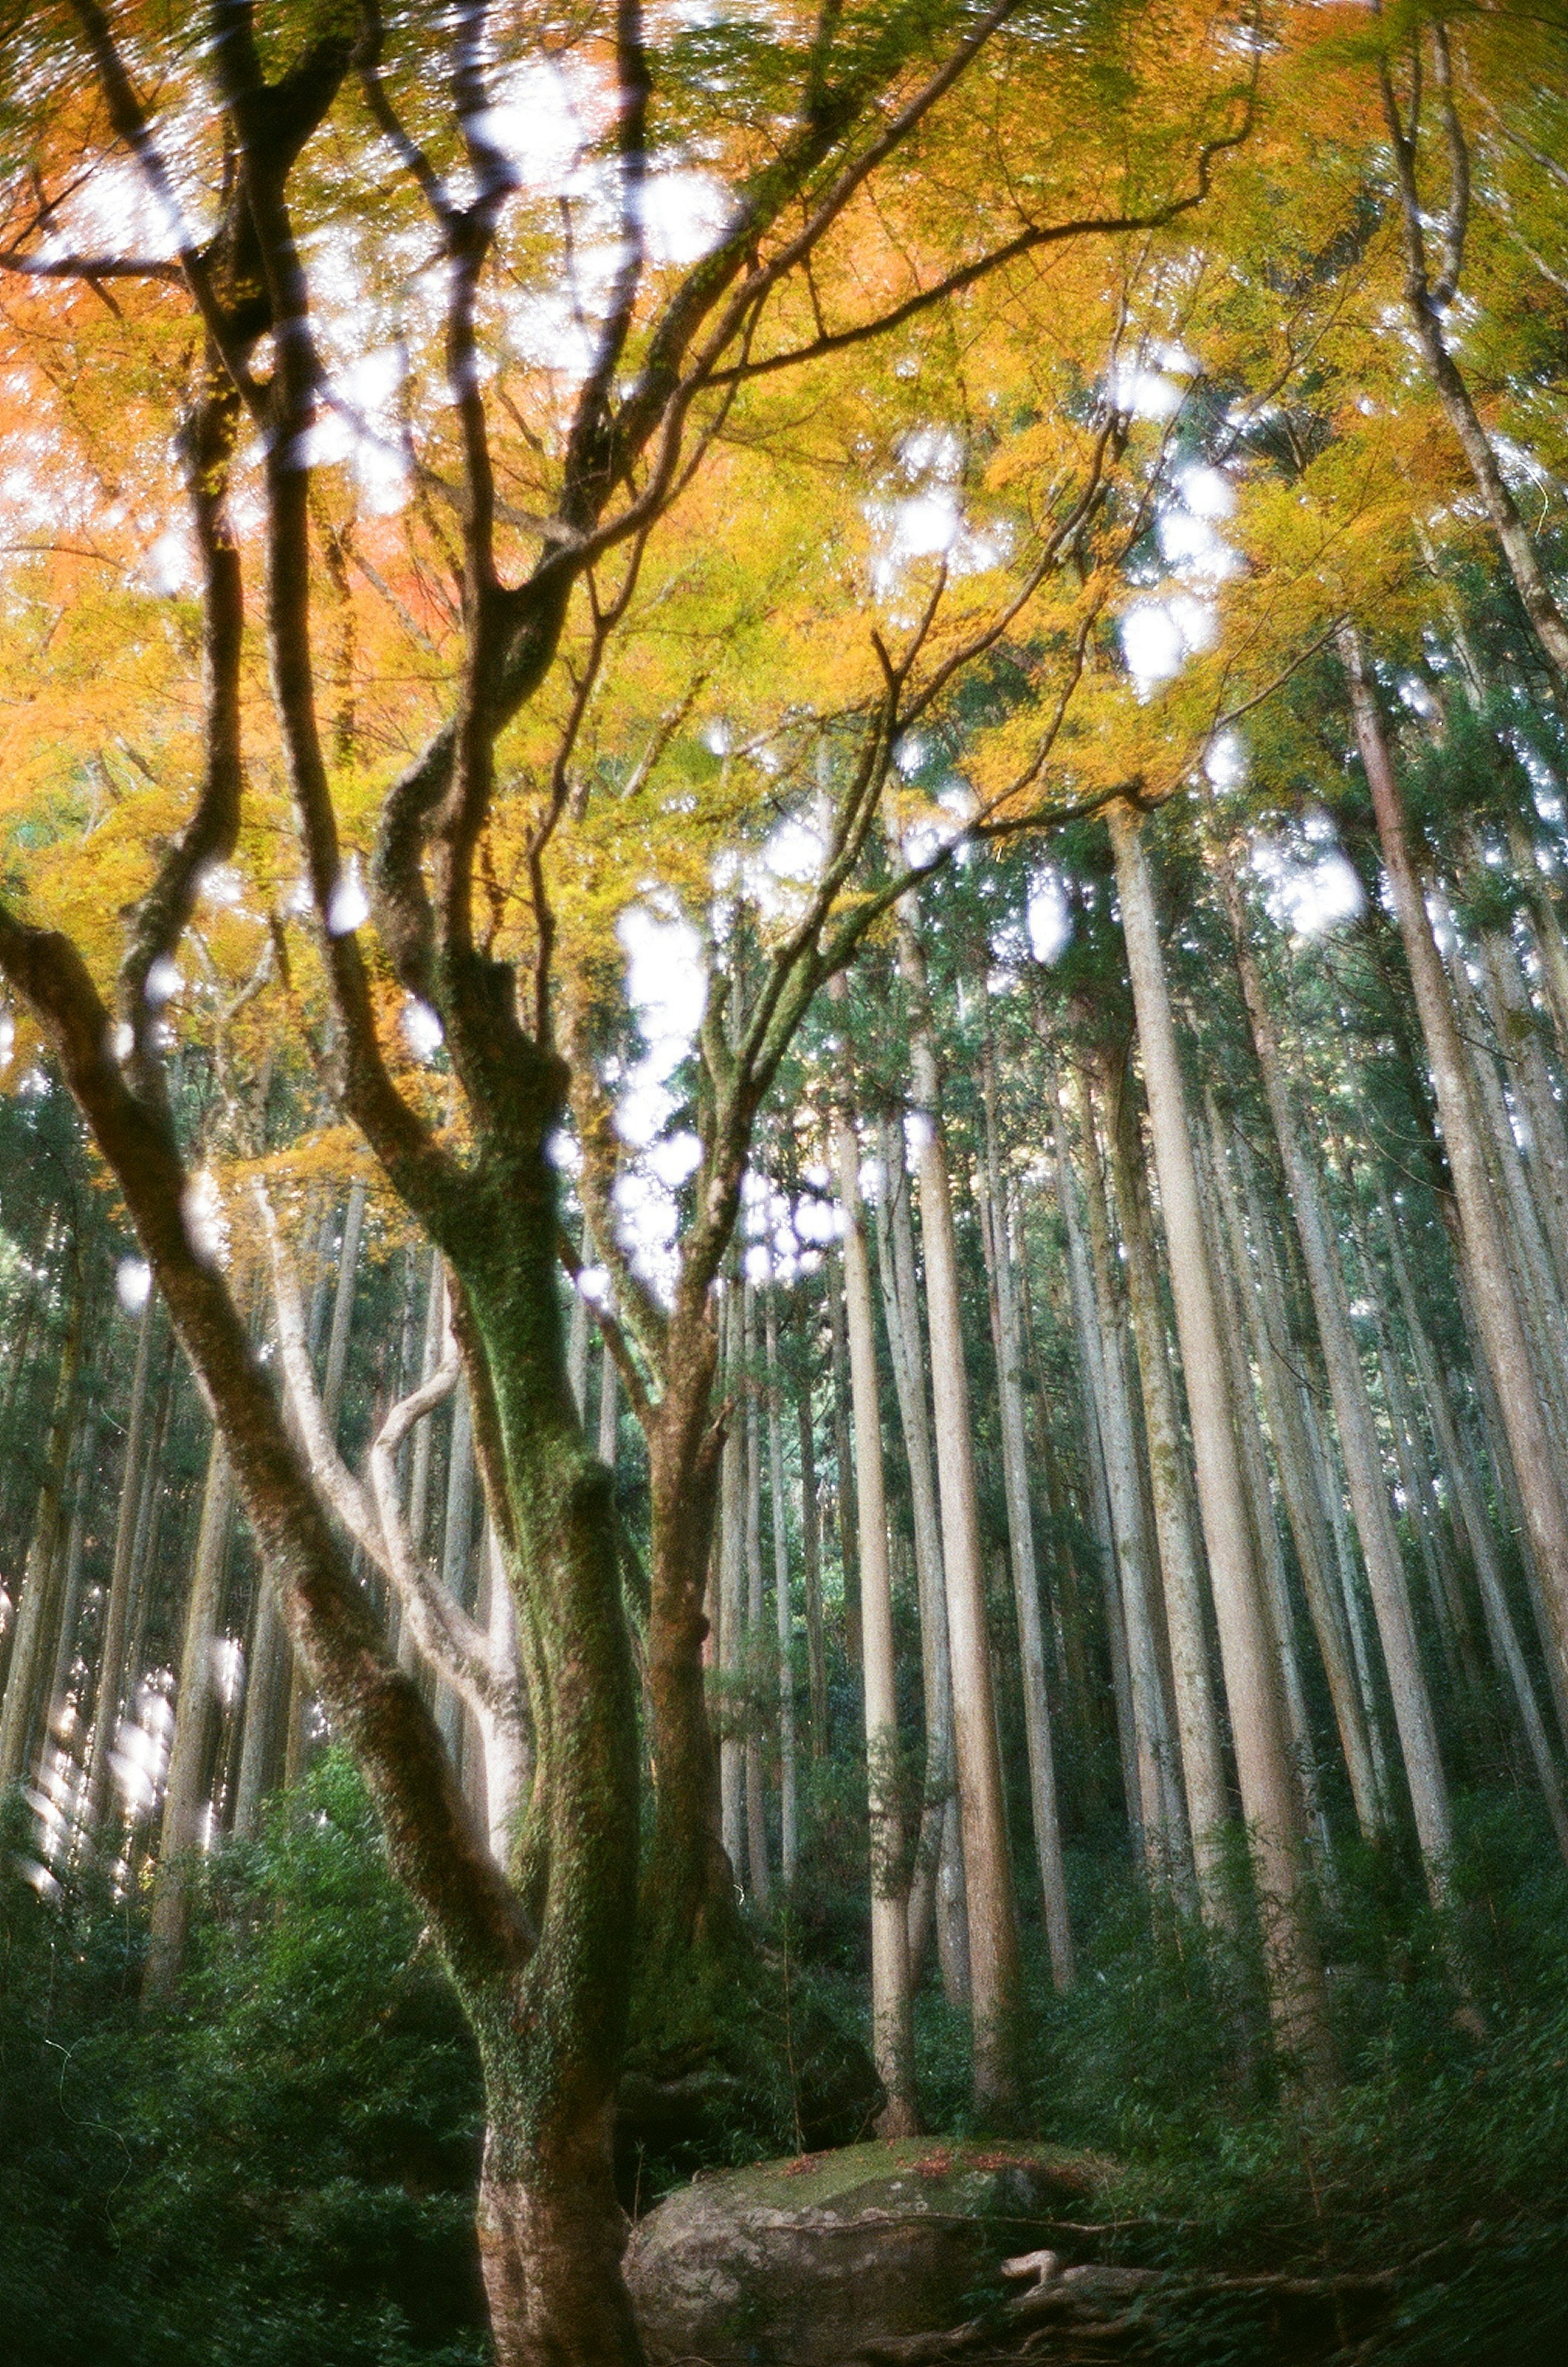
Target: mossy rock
{"points": [[802, 2263]]}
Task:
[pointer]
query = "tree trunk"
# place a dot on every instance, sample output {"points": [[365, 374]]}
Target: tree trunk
{"points": [[1352, 1412], [1086, 1325], [789, 1837], [731, 1598], [688, 1891], [1135, 1557], [116, 1608], [43, 1579], [1536, 1290], [893, 2036], [848, 1565], [936, 1890], [1231, 1279], [70, 1601], [756, 1611], [1197, 1717], [1496, 1306], [993, 1966], [194, 1702], [1292, 1420], [811, 1558], [1506, 1648], [1269, 1793], [1045, 1814]]}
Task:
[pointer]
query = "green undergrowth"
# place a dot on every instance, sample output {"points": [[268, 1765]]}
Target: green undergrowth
{"points": [[281, 2173]]}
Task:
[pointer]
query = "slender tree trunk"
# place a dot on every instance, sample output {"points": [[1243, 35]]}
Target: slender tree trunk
{"points": [[1546, 931], [189, 1760], [71, 1602], [1135, 1557], [811, 1558], [848, 1562], [266, 1688], [116, 1608], [1233, 1278], [1496, 1306], [936, 1890], [1304, 1490], [1086, 1324], [609, 1413], [731, 1580], [1043, 1800], [789, 1833], [43, 1579], [577, 1353], [1352, 1412], [1506, 1648], [993, 1966], [1536, 1290], [688, 1907], [756, 1614], [1197, 1716], [893, 2038], [1269, 1793]]}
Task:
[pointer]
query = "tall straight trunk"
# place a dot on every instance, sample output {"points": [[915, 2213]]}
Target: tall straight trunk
{"points": [[1045, 1810], [936, 1891], [1303, 1483], [43, 1578], [116, 1608], [756, 1609], [71, 1594], [893, 2036], [811, 1559], [687, 1910], [1268, 1792], [1086, 1326], [1381, 1555], [577, 1353], [789, 1806], [300, 1707], [1506, 1648], [343, 1305], [185, 1795], [1418, 1484], [1507, 996], [266, 1694], [1197, 1715], [609, 1412], [1487, 1420], [1497, 1309], [731, 1598], [1545, 930], [1123, 1458], [994, 1967], [1232, 1279], [848, 1562], [1537, 1289]]}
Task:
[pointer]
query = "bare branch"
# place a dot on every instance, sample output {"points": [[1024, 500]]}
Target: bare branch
{"points": [[435, 1843]]}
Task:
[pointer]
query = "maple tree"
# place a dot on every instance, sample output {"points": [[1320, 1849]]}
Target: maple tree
{"points": [[364, 199]]}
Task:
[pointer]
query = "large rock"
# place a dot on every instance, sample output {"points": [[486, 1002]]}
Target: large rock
{"points": [[802, 2263]]}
